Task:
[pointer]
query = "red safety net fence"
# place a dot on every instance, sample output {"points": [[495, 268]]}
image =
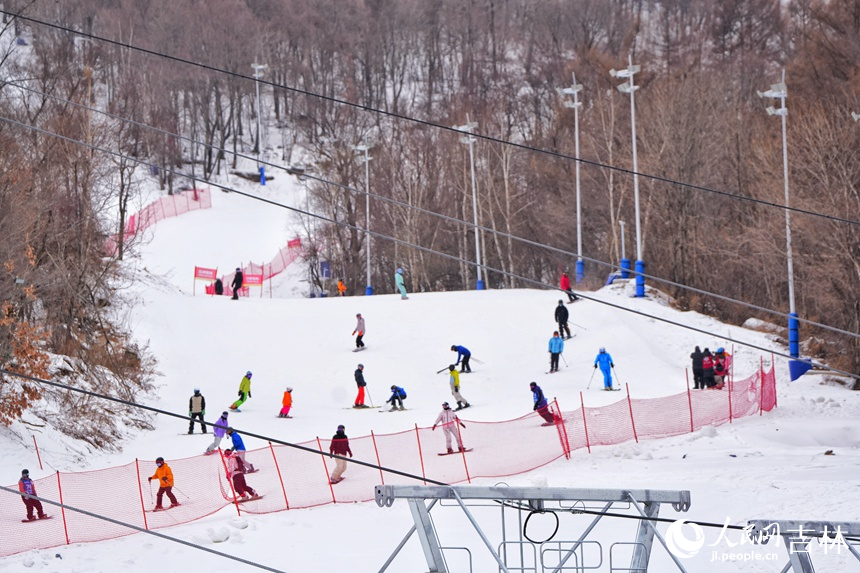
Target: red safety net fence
{"points": [[163, 208], [290, 478], [284, 258]]}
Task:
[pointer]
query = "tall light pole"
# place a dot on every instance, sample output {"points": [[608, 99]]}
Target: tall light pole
{"points": [[364, 148], [574, 90], [625, 262], [469, 140], [258, 73], [629, 87], [780, 92]]}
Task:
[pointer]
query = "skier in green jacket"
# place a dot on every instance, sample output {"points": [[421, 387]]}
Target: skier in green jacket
{"points": [[244, 392]]}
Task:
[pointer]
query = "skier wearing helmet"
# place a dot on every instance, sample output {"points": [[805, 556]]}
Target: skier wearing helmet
{"points": [[164, 476], [339, 447], [604, 360], [238, 282], [398, 281], [196, 410], [286, 403], [244, 392]]}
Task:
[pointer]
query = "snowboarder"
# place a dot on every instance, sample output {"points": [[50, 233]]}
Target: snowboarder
{"points": [[238, 281], [556, 347], [360, 329], [454, 381], [449, 421], [540, 404], [339, 446], [707, 370], [341, 288], [604, 360], [28, 490], [398, 281], [219, 287], [286, 403], [165, 484], [696, 356], [565, 286], [359, 381], [239, 449], [236, 474], [561, 316], [464, 354], [244, 391], [196, 410], [398, 394], [219, 430]]}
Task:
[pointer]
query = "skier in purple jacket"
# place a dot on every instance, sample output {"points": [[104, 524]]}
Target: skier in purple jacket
{"points": [[219, 430]]}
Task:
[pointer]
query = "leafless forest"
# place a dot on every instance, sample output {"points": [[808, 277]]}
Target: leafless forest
{"points": [[711, 189]]}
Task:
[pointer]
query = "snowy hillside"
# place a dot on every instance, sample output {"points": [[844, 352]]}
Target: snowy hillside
{"points": [[758, 467]]}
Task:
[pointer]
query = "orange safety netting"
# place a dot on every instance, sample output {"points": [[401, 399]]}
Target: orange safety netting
{"points": [[289, 478]]}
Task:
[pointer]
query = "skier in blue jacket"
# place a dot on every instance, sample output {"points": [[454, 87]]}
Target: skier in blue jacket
{"points": [[464, 355], [540, 405], [604, 360], [398, 394], [239, 449], [556, 347]]}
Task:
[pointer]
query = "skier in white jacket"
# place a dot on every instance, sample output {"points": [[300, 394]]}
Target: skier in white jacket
{"points": [[449, 420]]}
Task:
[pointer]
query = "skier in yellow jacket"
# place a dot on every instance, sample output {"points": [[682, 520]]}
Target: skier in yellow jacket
{"points": [[244, 392]]}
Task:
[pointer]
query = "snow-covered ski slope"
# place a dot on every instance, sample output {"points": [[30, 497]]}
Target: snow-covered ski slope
{"points": [[768, 467]]}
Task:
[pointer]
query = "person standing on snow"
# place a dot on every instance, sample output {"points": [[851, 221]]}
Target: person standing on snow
{"points": [[359, 381], [565, 286], [341, 288], [28, 490], [238, 281], [464, 355], [556, 347], [360, 329], [454, 382], [721, 367], [540, 404], [604, 360], [165, 484], [196, 410], [561, 316], [236, 474], [449, 421], [398, 281], [398, 394], [696, 356], [339, 447], [244, 391], [707, 370], [219, 430], [286, 403], [239, 449]]}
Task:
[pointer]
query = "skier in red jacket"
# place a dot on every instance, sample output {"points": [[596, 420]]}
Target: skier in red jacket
{"points": [[28, 489], [565, 286]]}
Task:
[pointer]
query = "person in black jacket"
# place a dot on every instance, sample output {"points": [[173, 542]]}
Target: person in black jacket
{"points": [[238, 281], [196, 410], [697, 368], [219, 287], [359, 381], [561, 316]]}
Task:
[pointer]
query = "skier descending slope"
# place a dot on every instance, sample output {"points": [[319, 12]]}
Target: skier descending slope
{"points": [[604, 361], [540, 405], [449, 421]]}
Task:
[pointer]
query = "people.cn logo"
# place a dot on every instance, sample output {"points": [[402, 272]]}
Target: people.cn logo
{"points": [[677, 542]]}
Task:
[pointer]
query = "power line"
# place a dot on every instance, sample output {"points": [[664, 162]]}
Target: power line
{"points": [[428, 123], [144, 530], [293, 171], [450, 257]]}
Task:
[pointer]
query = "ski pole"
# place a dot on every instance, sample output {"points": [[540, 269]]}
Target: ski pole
{"points": [[616, 375], [563, 360], [478, 361], [578, 325], [151, 499], [369, 398], [593, 372], [441, 371], [182, 492]]}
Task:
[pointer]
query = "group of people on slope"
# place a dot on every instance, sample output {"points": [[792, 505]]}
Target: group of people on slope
{"points": [[399, 284], [710, 370]]}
